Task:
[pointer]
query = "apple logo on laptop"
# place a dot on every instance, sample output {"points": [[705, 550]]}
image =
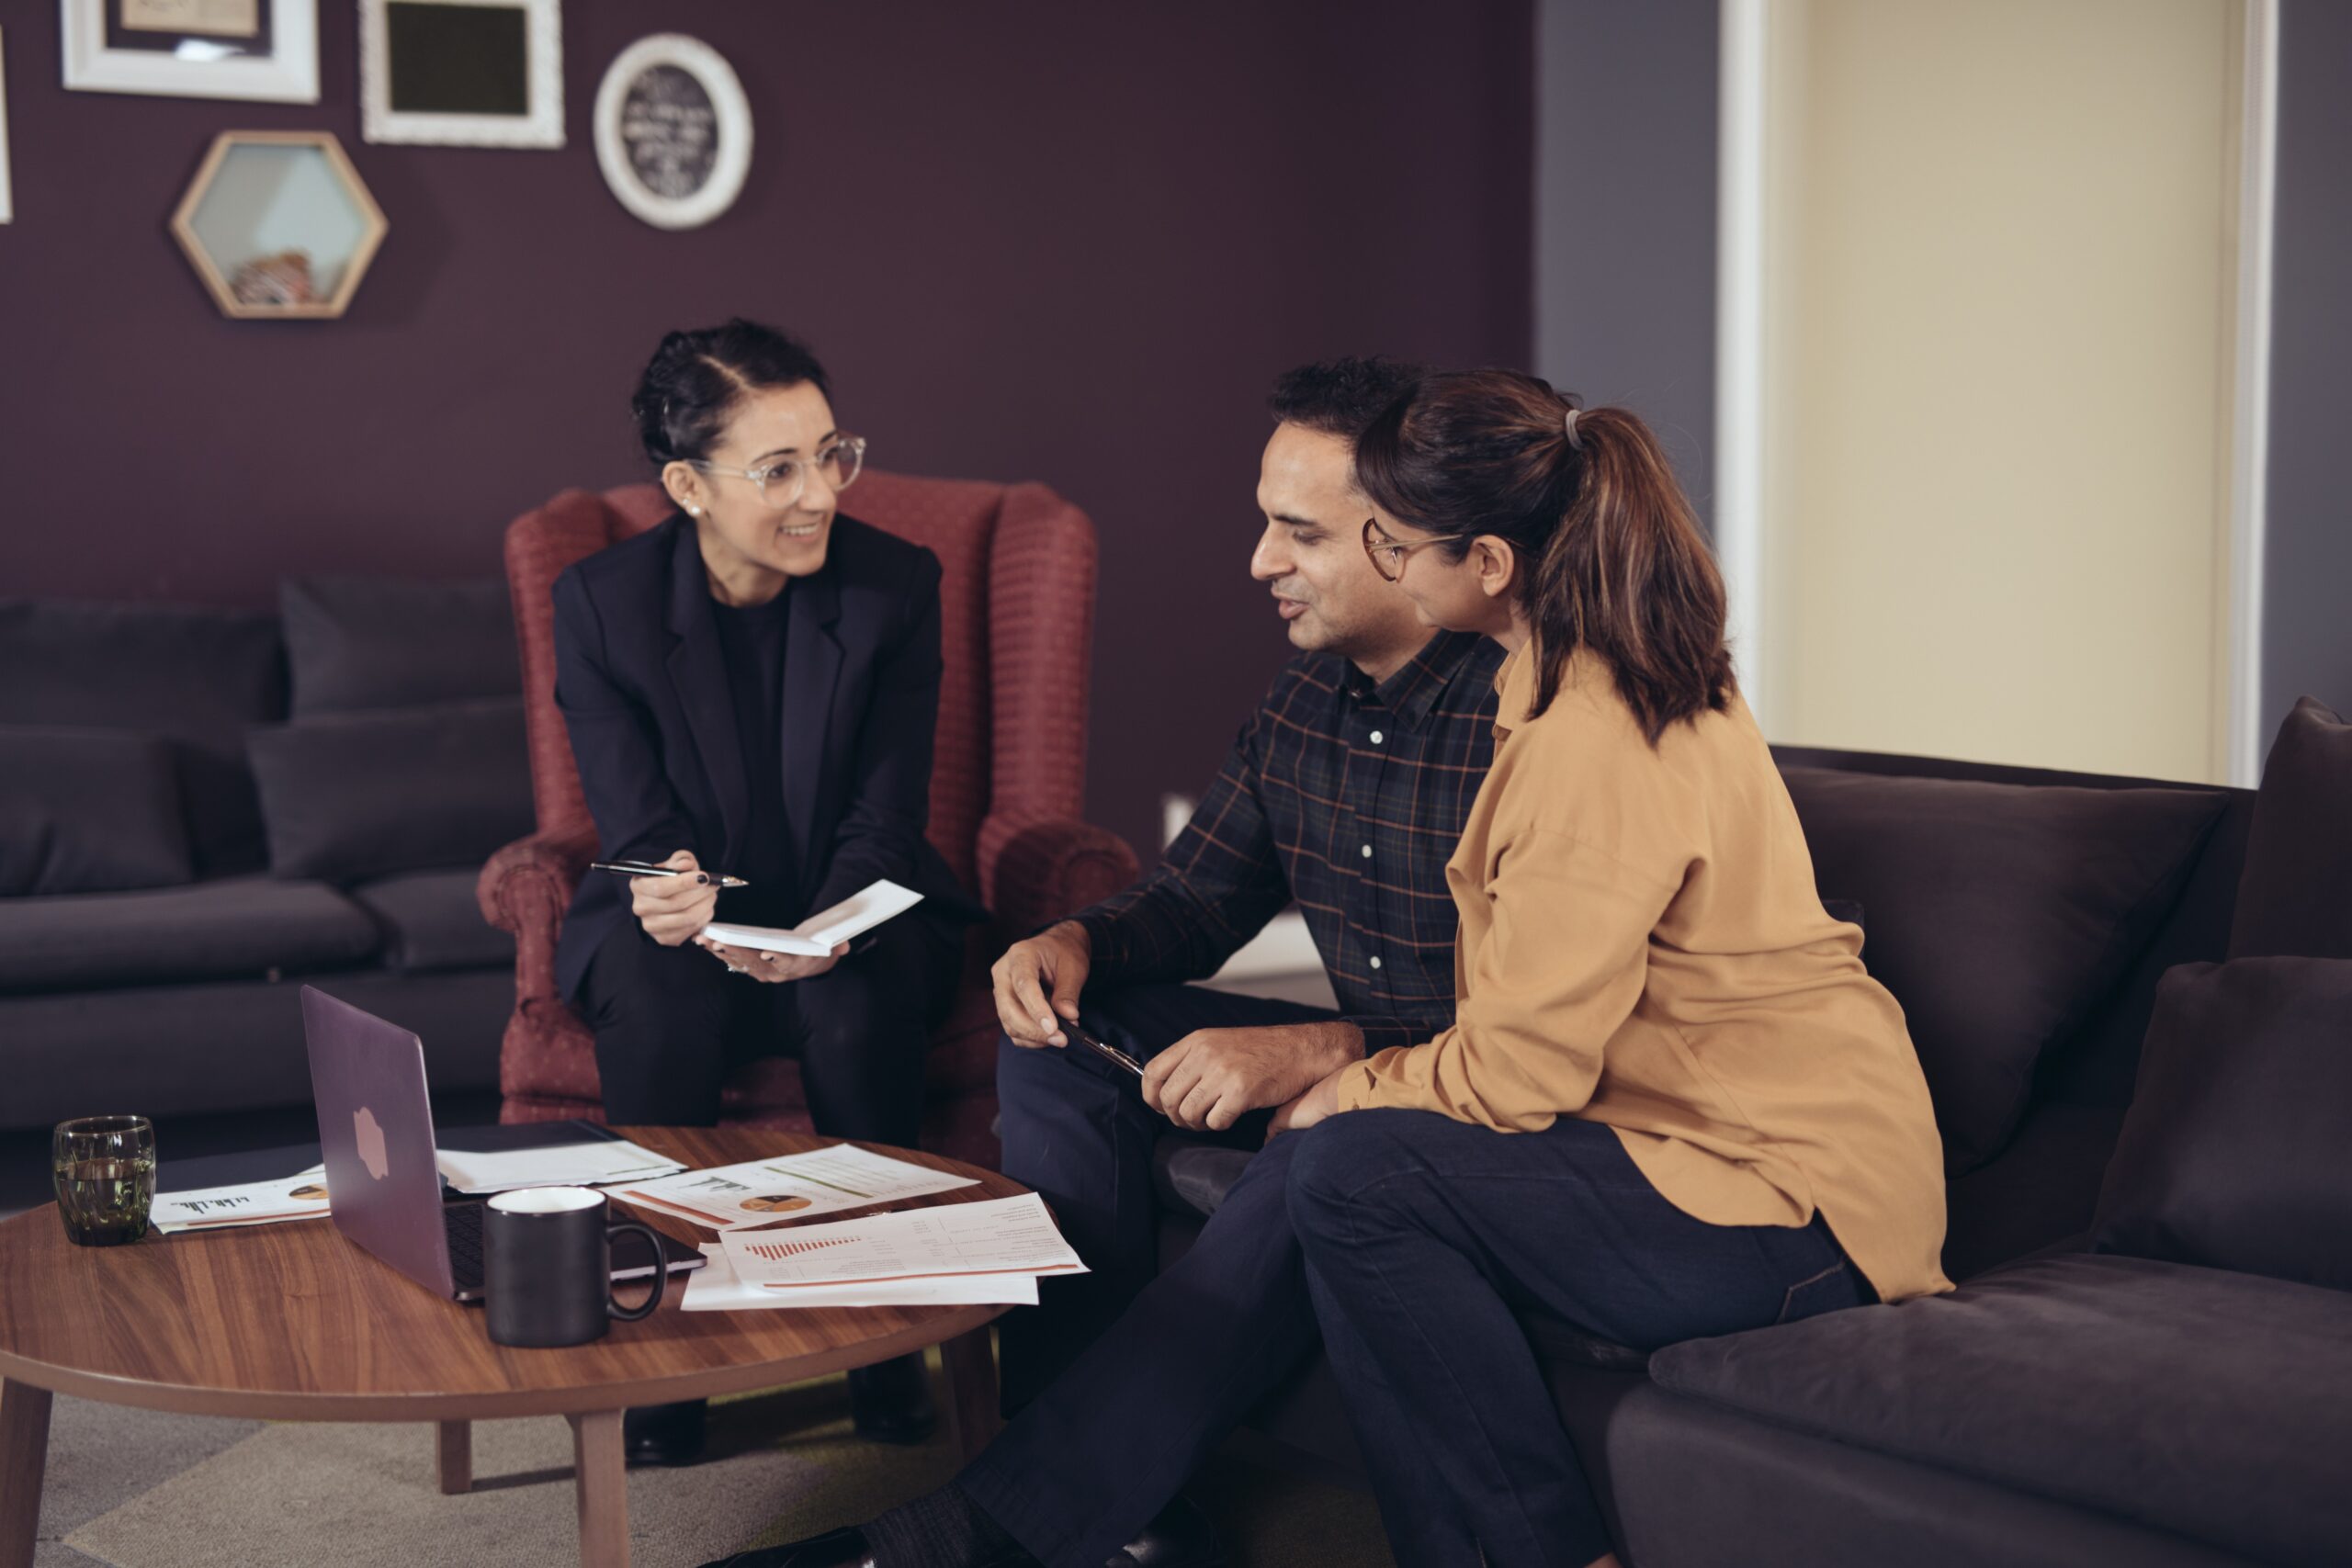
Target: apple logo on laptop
{"points": [[371, 1143]]}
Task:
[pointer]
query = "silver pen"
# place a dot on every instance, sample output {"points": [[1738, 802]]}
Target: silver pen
{"points": [[640, 868]]}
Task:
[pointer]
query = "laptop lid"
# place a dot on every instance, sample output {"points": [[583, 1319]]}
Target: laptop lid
{"points": [[376, 1136]]}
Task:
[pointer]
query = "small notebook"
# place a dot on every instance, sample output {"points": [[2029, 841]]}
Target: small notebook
{"points": [[821, 932]]}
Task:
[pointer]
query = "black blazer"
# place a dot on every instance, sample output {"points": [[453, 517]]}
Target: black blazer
{"points": [[642, 680]]}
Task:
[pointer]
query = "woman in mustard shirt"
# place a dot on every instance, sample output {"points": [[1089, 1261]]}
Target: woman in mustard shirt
{"points": [[1672, 1102]]}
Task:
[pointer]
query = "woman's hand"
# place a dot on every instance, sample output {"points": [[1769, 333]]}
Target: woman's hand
{"points": [[1317, 1102], [771, 969], [673, 908]]}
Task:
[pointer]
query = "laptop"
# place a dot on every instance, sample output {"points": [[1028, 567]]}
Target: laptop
{"points": [[376, 1139]]}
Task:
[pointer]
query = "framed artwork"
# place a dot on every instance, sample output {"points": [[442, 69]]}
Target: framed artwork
{"points": [[193, 49], [461, 72], [674, 131], [7, 209]]}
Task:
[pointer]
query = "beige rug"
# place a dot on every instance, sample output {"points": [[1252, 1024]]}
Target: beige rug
{"points": [[785, 1465]]}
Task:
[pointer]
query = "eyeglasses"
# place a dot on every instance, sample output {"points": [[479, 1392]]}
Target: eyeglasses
{"points": [[781, 482], [1388, 555]]}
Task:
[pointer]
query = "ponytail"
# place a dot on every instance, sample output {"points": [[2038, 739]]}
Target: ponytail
{"points": [[1612, 555]]}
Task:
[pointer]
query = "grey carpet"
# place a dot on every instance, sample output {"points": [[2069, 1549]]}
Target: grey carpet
{"points": [[131, 1489]]}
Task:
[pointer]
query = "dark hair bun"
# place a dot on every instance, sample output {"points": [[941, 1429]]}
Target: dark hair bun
{"points": [[695, 379]]}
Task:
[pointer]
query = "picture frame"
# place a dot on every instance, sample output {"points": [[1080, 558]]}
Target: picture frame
{"points": [[8, 203], [266, 49], [674, 131], [461, 72]]}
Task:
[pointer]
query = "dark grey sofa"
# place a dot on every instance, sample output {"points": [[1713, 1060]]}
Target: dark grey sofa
{"points": [[2064, 1406], [173, 993]]}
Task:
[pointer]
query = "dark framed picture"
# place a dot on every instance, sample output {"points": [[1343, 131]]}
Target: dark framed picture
{"points": [[193, 49], [463, 73], [674, 131]]}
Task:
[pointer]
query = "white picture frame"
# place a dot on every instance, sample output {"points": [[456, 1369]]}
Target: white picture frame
{"points": [[288, 73], [661, 174], [7, 204], [382, 118]]}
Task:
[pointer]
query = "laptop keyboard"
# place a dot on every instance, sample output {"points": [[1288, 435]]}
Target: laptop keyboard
{"points": [[463, 1222]]}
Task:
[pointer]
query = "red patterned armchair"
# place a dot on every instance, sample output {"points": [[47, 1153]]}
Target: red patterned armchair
{"points": [[1017, 599]]}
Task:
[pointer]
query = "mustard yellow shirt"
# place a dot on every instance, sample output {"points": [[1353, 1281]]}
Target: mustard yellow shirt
{"points": [[1642, 945]]}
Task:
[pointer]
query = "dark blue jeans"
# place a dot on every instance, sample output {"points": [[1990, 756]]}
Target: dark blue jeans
{"points": [[1074, 1129], [1424, 1240]]}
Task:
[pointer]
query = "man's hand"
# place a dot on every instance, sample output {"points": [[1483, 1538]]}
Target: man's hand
{"points": [[673, 908], [1321, 1100], [1213, 1078], [772, 969], [1037, 984]]}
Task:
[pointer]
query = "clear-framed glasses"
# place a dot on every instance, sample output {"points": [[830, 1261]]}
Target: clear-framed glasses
{"points": [[840, 460], [1388, 555]]}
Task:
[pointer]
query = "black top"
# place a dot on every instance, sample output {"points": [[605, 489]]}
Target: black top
{"points": [[751, 639]]}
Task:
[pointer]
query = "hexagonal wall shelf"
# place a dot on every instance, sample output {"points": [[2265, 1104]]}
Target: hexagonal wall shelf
{"points": [[278, 224]]}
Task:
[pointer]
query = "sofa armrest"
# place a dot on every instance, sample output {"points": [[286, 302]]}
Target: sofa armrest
{"points": [[529, 884], [1046, 870]]}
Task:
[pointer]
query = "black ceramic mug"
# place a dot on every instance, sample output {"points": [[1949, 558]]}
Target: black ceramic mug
{"points": [[548, 1266]]}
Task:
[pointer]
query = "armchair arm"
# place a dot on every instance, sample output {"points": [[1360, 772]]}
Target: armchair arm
{"points": [[1046, 870], [524, 889]]}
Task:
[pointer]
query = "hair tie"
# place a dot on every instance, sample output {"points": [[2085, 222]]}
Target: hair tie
{"points": [[1569, 424]]}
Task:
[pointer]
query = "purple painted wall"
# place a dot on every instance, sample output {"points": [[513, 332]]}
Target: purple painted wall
{"points": [[1065, 241]]}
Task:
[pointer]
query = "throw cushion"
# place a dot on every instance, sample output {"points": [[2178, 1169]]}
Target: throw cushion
{"points": [[350, 796], [373, 642], [1999, 915], [88, 811], [229, 928], [2292, 897], [2234, 1154], [197, 676]]}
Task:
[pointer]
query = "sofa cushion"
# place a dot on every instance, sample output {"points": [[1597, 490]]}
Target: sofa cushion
{"points": [[2000, 915], [2192, 1400], [357, 795], [197, 676], [375, 642], [2291, 898], [2233, 1153], [88, 811], [431, 921], [237, 927]]}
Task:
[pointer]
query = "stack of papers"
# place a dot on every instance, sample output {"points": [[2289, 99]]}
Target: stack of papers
{"points": [[597, 1164], [760, 1192], [302, 1196], [990, 1251], [822, 931]]}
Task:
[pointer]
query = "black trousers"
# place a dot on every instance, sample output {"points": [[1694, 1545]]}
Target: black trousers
{"points": [[670, 1023]]}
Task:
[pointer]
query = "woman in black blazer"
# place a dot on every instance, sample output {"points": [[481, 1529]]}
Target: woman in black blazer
{"points": [[751, 688]]}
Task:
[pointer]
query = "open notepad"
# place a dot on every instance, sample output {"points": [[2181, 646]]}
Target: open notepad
{"points": [[821, 932]]}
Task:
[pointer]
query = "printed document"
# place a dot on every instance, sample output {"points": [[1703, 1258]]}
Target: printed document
{"points": [[595, 1164], [760, 1192], [715, 1288], [821, 932], [302, 1196], [998, 1235]]}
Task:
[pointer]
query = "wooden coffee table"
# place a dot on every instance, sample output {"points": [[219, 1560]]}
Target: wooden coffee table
{"points": [[292, 1323]]}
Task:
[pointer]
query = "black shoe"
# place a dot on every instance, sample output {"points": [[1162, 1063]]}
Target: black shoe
{"points": [[844, 1547], [891, 1401], [664, 1434], [1180, 1536]]}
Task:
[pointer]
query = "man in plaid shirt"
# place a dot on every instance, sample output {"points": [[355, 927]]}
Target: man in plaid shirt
{"points": [[1345, 792]]}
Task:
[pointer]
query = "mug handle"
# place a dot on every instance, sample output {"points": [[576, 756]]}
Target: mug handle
{"points": [[660, 1273]]}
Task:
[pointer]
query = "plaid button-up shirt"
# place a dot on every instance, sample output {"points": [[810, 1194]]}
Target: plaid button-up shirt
{"points": [[1348, 798]]}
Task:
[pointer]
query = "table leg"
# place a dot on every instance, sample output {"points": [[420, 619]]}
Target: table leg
{"points": [[24, 1452], [603, 1484], [971, 1390], [453, 1447]]}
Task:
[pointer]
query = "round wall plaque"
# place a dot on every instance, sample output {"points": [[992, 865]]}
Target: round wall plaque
{"points": [[674, 131]]}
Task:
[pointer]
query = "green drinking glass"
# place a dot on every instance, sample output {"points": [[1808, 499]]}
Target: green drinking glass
{"points": [[105, 1171]]}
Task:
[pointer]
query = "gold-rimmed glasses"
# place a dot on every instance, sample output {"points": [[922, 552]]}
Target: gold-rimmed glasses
{"points": [[1388, 555], [782, 481]]}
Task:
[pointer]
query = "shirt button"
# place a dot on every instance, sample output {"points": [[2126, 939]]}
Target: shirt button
{"points": [[1375, 960], [1367, 852], [1377, 738]]}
